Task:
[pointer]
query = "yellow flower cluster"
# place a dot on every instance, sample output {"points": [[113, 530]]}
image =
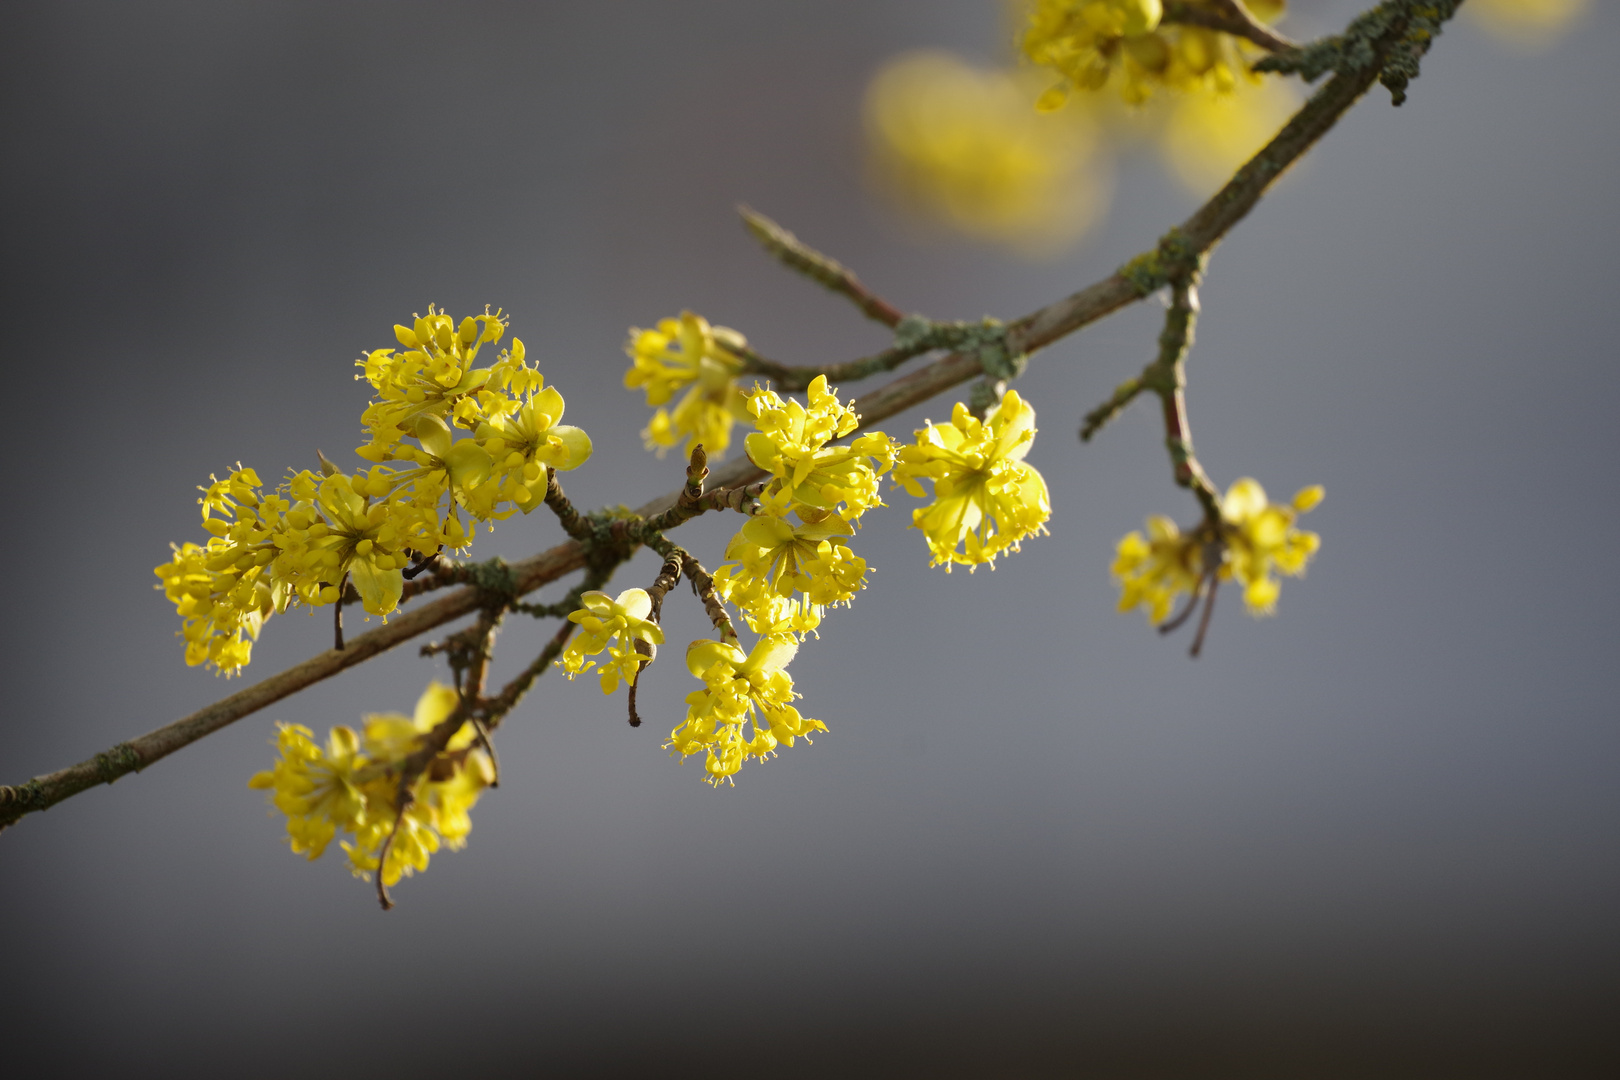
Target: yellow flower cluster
{"points": [[615, 625], [221, 590], [302, 542], [787, 574], [986, 500], [960, 144], [351, 785], [688, 352], [1154, 569], [753, 691], [1257, 540], [793, 561], [1092, 43]]}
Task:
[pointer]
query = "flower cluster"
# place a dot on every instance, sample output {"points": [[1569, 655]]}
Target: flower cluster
{"points": [[1256, 541], [791, 444], [793, 560], [753, 691], [986, 500], [615, 625], [961, 145], [1260, 538], [1092, 43], [688, 352], [351, 785], [316, 532]]}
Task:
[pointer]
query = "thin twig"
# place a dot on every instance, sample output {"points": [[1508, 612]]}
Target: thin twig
{"points": [[1123, 395], [337, 615], [1170, 626], [703, 586], [788, 377], [488, 746], [496, 708], [1227, 16], [1167, 376], [572, 522], [668, 575], [1203, 623], [402, 803], [825, 271]]}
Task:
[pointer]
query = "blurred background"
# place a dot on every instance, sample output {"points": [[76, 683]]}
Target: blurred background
{"points": [[1374, 835]]}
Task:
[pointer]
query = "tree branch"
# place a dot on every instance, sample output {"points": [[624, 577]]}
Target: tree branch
{"points": [[1229, 17], [824, 271], [1176, 253]]}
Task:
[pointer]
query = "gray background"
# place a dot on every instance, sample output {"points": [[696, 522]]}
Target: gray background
{"points": [[1375, 835]]}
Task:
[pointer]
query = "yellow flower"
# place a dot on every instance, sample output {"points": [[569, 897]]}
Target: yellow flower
{"points": [[433, 377], [1260, 537], [224, 591], [776, 559], [986, 500], [522, 447], [615, 625], [352, 786], [791, 445], [1155, 569], [739, 691], [1091, 43], [315, 787], [355, 537], [430, 390], [962, 146], [1256, 540], [1532, 23], [688, 352]]}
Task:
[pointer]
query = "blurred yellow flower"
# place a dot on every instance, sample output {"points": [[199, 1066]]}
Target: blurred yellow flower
{"points": [[1206, 137], [1535, 23], [688, 352], [351, 785], [1094, 43], [963, 146], [1256, 541]]}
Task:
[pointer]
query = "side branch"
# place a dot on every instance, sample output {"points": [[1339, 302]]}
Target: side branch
{"points": [[825, 271], [703, 586], [788, 377], [1167, 377], [668, 575], [1229, 17], [572, 522]]}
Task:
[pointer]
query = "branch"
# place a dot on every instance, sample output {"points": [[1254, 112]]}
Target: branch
{"points": [[1167, 377], [1177, 252], [495, 709], [703, 586], [668, 575], [1229, 17], [824, 271], [573, 524], [789, 377]]}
